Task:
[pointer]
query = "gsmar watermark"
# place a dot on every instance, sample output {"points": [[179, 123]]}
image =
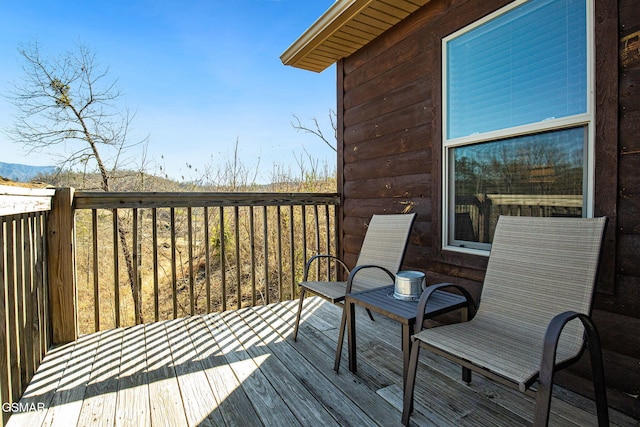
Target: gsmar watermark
{"points": [[22, 407]]}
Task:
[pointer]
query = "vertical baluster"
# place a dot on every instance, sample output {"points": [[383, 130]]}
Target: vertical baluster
{"points": [[12, 313], [328, 237], [154, 244], [292, 254], [136, 271], [317, 224], [207, 258], [236, 215], [192, 304], [116, 270], [336, 239], [38, 285], [279, 242], [20, 297], [252, 255], [9, 387], [44, 289], [303, 218], [37, 288], [5, 362], [265, 250], [96, 271], [31, 331], [223, 265], [174, 289]]}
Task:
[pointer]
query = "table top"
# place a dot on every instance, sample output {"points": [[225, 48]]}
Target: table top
{"points": [[381, 300]]}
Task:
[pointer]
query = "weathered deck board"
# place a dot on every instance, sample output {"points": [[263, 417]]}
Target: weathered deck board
{"points": [[44, 384], [132, 406], [242, 368], [99, 404], [319, 350], [302, 403], [269, 406], [67, 399], [316, 383], [164, 390], [197, 396], [231, 401]]}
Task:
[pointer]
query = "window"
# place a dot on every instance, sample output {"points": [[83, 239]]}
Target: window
{"points": [[518, 124]]}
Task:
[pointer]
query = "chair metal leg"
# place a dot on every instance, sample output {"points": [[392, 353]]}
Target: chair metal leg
{"points": [[409, 386], [547, 369], [343, 324], [597, 367], [295, 329]]}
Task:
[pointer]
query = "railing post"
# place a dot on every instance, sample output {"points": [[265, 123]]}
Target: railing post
{"points": [[61, 264]]}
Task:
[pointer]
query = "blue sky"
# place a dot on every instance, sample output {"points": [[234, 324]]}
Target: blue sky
{"points": [[199, 74]]}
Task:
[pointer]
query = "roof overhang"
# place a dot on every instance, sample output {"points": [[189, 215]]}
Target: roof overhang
{"points": [[344, 28]]}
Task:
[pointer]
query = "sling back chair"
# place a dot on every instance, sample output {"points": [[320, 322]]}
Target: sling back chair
{"points": [[533, 317], [380, 259]]}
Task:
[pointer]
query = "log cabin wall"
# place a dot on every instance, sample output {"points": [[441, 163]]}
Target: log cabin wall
{"points": [[389, 161]]}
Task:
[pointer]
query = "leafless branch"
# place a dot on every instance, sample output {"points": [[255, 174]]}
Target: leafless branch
{"points": [[317, 130]]}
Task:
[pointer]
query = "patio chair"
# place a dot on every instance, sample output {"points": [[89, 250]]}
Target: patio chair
{"points": [[380, 258], [534, 312]]}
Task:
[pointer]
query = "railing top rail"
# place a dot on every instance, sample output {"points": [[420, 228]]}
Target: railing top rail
{"points": [[20, 200], [111, 200]]}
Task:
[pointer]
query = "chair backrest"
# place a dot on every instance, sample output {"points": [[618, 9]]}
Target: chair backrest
{"points": [[384, 245], [539, 267]]}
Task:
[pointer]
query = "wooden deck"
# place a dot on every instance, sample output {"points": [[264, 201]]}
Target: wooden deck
{"points": [[241, 368]]}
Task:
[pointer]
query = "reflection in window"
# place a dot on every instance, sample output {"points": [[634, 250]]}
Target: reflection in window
{"points": [[533, 175]]}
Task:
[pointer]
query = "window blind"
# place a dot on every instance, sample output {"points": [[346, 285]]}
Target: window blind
{"points": [[523, 67]]}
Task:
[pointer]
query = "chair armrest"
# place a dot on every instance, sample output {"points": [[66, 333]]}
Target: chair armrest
{"points": [[429, 290], [548, 365], [315, 257], [552, 338], [363, 267]]}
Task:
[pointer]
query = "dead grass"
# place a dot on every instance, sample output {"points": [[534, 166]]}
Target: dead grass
{"points": [[237, 258]]}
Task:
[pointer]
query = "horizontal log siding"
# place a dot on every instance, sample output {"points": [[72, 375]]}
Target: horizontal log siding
{"points": [[391, 141], [385, 165], [390, 156], [618, 314]]}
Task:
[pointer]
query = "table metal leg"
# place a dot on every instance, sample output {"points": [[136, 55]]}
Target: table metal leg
{"points": [[407, 331]]}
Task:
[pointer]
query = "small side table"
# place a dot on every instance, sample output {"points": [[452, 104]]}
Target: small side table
{"points": [[381, 300]]}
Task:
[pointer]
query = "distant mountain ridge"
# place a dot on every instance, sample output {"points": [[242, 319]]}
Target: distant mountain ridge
{"points": [[23, 173]]}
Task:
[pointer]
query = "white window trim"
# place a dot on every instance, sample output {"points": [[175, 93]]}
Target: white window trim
{"points": [[587, 119]]}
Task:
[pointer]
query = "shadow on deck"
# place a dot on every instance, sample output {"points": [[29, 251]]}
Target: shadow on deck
{"points": [[241, 368]]}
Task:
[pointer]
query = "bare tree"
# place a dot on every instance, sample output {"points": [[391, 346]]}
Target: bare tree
{"points": [[68, 108], [317, 131]]}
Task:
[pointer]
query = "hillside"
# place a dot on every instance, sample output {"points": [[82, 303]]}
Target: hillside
{"points": [[23, 173]]}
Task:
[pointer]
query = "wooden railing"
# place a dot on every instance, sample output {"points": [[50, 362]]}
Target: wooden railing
{"points": [[476, 216], [81, 262], [144, 257], [25, 330]]}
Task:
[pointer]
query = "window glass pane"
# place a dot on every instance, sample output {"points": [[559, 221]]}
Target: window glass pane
{"points": [[534, 175], [523, 67]]}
